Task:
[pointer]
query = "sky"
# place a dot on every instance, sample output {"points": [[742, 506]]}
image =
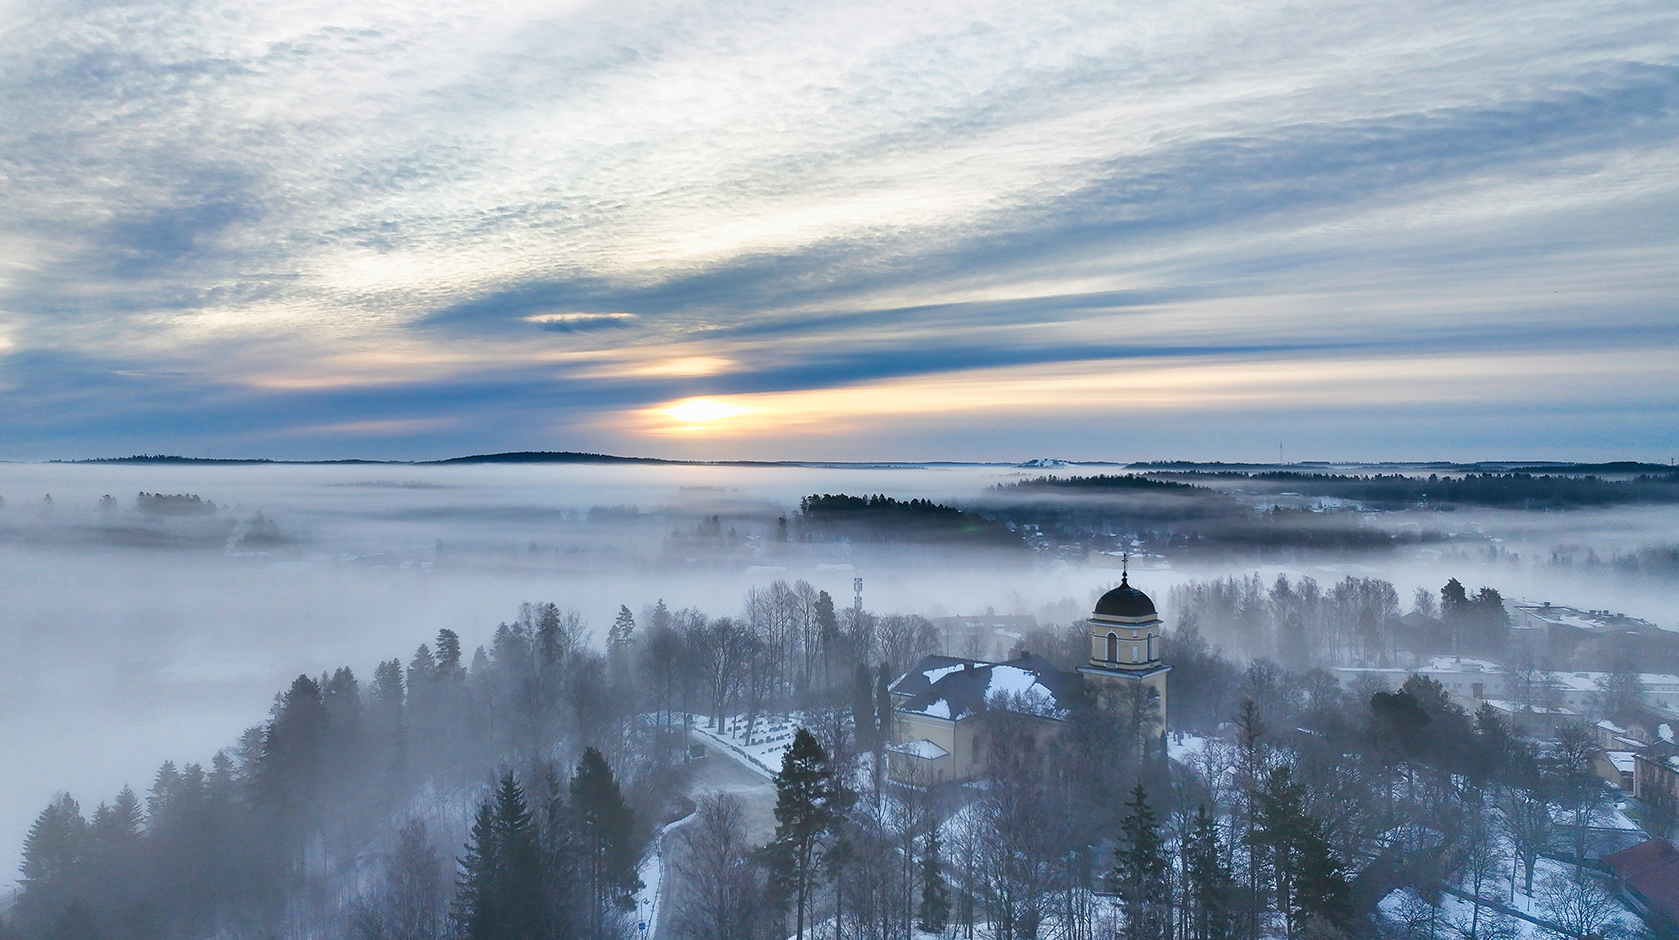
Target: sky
{"points": [[893, 231]]}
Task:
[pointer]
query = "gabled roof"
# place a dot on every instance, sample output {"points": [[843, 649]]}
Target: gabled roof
{"points": [[1651, 869], [952, 689], [928, 671]]}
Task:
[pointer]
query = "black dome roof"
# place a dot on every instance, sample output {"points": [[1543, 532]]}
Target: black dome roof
{"points": [[1125, 601]]}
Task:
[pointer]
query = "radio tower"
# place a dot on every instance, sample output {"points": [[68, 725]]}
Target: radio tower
{"points": [[857, 604]]}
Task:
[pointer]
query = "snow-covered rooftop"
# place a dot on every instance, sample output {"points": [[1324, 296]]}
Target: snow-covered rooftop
{"points": [[952, 689]]}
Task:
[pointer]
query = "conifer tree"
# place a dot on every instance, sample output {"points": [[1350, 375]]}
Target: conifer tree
{"points": [[1140, 869], [289, 769], [53, 848], [620, 640], [934, 911], [500, 893], [1308, 879], [604, 832], [883, 722], [810, 804], [1209, 890], [862, 709], [449, 667], [119, 823]]}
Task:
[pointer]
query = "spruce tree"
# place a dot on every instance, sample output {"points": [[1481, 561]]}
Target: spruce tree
{"points": [[501, 896], [1140, 869], [449, 668], [1210, 889], [934, 911], [52, 853], [289, 768], [604, 832]]}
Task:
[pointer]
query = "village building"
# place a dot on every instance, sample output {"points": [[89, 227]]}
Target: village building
{"points": [[1590, 637], [940, 706], [1647, 876], [1472, 681], [1655, 776]]}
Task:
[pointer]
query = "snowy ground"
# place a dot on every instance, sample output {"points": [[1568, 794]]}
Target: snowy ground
{"points": [[1184, 747], [1550, 880], [770, 738], [732, 769], [652, 873]]}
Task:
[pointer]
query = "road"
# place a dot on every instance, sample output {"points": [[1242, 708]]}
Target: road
{"points": [[719, 772]]}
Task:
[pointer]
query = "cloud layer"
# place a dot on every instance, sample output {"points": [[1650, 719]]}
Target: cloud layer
{"points": [[310, 229]]}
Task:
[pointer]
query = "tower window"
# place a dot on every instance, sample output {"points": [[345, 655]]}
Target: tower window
{"points": [[1113, 647]]}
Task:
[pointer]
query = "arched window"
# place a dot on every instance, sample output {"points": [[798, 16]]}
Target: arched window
{"points": [[1113, 647]]}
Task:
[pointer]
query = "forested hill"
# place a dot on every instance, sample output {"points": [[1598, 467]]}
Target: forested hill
{"points": [[881, 518], [1502, 490]]}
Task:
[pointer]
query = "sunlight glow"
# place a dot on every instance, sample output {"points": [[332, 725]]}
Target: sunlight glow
{"points": [[1026, 393], [699, 410]]}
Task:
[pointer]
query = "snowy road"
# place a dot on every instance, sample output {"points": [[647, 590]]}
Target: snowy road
{"points": [[720, 772]]}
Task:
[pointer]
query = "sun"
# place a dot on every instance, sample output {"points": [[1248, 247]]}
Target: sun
{"points": [[700, 410]]}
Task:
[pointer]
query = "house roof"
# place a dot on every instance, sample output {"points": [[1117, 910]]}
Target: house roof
{"points": [[952, 689], [1652, 869]]}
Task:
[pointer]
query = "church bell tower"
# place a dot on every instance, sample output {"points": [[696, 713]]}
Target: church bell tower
{"points": [[1125, 671]]}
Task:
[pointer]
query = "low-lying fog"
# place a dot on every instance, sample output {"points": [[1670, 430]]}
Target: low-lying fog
{"points": [[131, 637]]}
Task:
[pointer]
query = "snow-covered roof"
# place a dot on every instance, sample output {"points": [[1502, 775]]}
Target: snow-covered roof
{"points": [[951, 689]]}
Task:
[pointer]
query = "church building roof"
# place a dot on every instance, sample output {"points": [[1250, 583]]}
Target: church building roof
{"points": [[1125, 601], [950, 688]]}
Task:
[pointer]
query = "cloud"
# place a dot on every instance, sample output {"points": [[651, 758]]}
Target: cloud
{"points": [[543, 210]]}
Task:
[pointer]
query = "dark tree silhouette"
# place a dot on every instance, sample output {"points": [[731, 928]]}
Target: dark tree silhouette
{"points": [[810, 803]]}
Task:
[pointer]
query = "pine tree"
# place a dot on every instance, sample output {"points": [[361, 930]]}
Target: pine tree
{"points": [[810, 804], [1210, 890], [620, 640], [622, 632], [500, 893], [934, 912], [1140, 869], [604, 833]]}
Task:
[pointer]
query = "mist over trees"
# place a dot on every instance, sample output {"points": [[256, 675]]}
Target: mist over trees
{"points": [[342, 812], [511, 791]]}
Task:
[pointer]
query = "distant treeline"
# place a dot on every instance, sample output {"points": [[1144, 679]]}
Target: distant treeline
{"points": [[179, 504], [1101, 482], [881, 518], [1171, 517], [1504, 490]]}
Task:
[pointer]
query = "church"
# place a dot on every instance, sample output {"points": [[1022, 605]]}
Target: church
{"points": [[940, 705]]}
